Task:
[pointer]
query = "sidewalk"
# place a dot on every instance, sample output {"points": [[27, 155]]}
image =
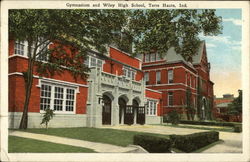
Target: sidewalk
{"points": [[98, 147], [232, 144]]}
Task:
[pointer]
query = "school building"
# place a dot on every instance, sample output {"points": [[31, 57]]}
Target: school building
{"points": [[120, 89]]}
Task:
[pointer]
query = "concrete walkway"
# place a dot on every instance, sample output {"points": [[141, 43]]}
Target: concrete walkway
{"points": [[232, 142], [98, 147]]}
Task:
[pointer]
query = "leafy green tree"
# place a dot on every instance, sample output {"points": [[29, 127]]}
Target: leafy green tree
{"points": [[158, 30], [81, 30], [235, 108], [48, 115]]}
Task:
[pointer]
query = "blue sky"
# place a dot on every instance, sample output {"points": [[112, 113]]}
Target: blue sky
{"points": [[224, 53]]}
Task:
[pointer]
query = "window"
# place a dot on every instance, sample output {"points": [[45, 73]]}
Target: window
{"points": [[19, 47], [91, 61], [170, 99], [151, 107], [129, 73], [152, 57], [158, 57], [158, 77], [146, 77], [170, 76], [147, 57], [56, 97]]}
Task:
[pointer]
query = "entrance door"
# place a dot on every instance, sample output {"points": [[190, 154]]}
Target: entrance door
{"points": [[140, 115], [129, 115], [106, 111]]}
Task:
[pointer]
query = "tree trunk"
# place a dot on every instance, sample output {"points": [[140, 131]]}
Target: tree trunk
{"points": [[28, 86]]}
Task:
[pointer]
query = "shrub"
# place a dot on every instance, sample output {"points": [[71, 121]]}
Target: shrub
{"points": [[212, 123], [237, 128], [173, 117], [48, 115], [165, 118], [192, 142], [153, 144]]}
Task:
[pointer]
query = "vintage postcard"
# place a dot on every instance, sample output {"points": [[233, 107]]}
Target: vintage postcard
{"points": [[124, 81]]}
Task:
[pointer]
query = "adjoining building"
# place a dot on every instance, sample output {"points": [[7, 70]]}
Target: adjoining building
{"points": [[120, 89], [221, 109], [185, 86]]}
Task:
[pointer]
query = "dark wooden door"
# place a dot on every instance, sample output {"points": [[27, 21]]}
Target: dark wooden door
{"points": [[106, 111], [140, 115], [129, 115]]}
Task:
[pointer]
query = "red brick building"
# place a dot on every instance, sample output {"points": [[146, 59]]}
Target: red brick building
{"points": [[175, 77], [113, 94], [120, 89]]}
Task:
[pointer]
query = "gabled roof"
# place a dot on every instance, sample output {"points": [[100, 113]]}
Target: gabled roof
{"points": [[197, 57], [172, 56]]}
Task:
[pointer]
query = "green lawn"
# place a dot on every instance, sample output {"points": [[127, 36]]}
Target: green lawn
{"points": [[110, 136], [223, 129], [23, 145]]}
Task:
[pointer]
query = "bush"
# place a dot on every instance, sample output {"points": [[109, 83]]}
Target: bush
{"points": [[212, 123], [173, 117], [192, 142], [237, 128], [153, 144]]}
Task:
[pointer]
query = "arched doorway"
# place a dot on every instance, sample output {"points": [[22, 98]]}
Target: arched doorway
{"points": [[106, 110], [139, 112]]}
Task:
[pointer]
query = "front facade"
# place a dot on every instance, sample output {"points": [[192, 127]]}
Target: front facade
{"points": [[120, 89], [113, 94]]}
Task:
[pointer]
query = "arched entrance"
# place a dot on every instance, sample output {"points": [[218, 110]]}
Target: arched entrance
{"points": [[139, 112], [106, 110]]}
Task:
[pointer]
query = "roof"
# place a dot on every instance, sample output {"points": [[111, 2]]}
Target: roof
{"points": [[172, 56], [197, 57]]}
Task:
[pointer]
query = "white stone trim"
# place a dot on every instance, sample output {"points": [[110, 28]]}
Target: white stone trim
{"points": [[175, 67], [153, 90], [170, 84], [178, 89], [17, 55], [52, 80]]}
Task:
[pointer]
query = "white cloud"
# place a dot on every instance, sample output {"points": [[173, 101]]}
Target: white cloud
{"points": [[234, 21], [210, 45], [220, 39]]}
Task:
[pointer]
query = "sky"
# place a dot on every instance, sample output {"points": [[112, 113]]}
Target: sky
{"points": [[224, 53]]}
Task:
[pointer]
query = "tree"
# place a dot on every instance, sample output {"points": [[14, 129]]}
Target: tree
{"points": [[81, 30], [235, 108], [158, 30], [189, 105]]}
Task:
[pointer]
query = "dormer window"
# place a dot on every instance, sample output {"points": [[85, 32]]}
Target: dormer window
{"points": [[152, 57], [92, 61]]}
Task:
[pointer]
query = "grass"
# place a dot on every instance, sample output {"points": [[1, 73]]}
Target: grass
{"points": [[110, 136], [223, 129], [23, 145]]}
